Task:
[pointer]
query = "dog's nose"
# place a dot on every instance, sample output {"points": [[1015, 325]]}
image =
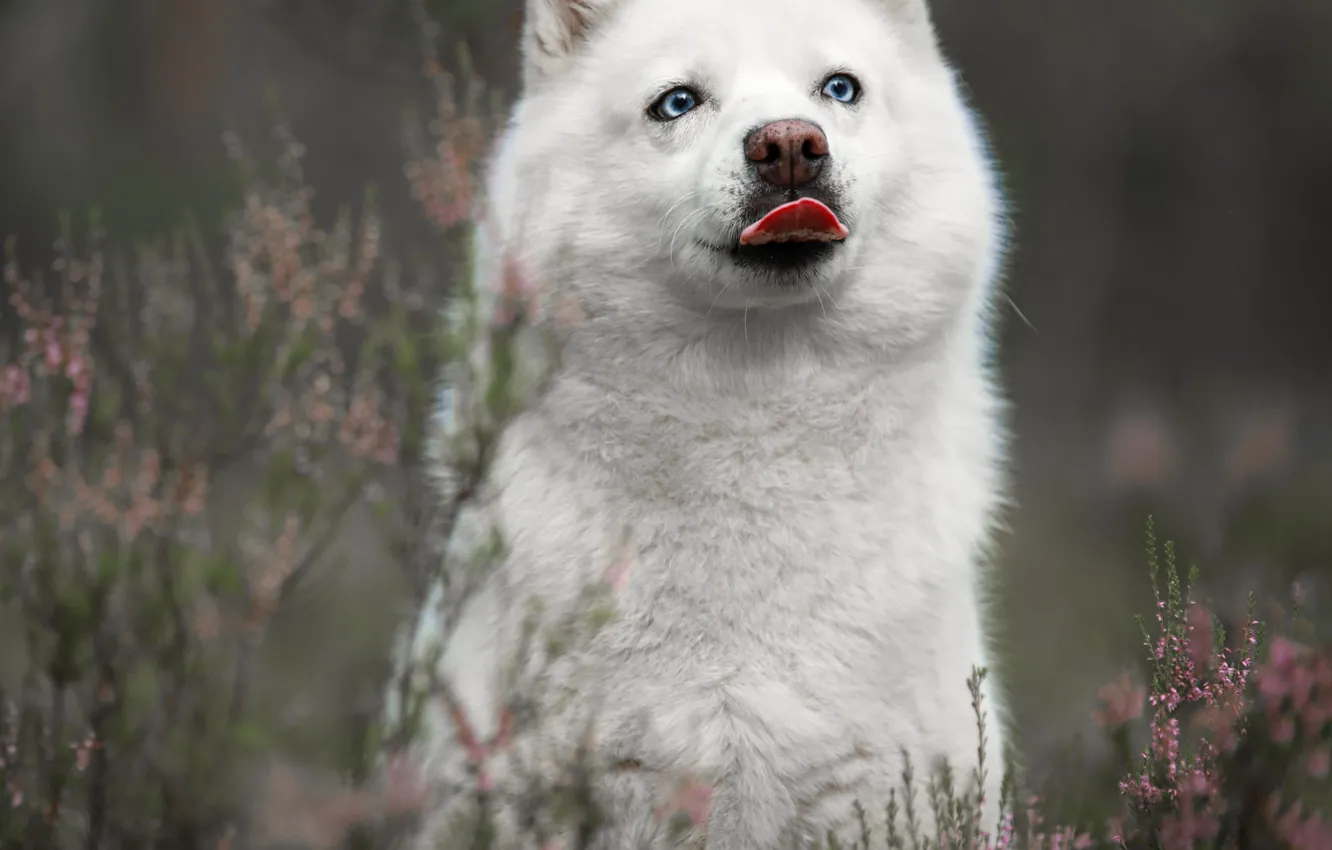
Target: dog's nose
{"points": [[787, 153]]}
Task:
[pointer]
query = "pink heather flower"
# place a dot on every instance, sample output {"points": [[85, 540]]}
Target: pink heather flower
{"points": [[692, 799], [1301, 833], [485, 783], [78, 412], [404, 791], [569, 313], [1114, 827], [617, 575], [53, 354], [15, 386], [518, 293], [1141, 788], [1165, 743], [1123, 701], [83, 751], [1218, 721], [1007, 832], [1194, 820], [1140, 451], [1318, 762], [1285, 653]]}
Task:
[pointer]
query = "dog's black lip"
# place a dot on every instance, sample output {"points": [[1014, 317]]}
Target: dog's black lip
{"points": [[732, 245], [789, 257], [735, 248]]}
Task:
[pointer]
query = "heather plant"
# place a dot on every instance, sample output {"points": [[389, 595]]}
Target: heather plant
{"points": [[136, 601], [135, 610], [1239, 732]]}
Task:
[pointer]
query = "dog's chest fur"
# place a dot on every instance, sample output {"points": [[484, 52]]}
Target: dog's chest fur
{"points": [[802, 584]]}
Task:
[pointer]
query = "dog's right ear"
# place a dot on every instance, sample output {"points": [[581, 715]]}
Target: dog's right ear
{"points": [[553, 30], [913, 16]]}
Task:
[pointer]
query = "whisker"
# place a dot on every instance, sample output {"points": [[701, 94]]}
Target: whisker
{"points": [[688, 219], [818, 294], [1021, 315], [687, 196], [720, 293], [661, 223]]}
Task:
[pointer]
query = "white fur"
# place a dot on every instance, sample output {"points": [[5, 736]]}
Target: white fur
{"points": [[810, 472]]}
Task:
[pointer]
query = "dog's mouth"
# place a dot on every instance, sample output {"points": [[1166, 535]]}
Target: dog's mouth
{"points": [[791, 238], [803, 220]]}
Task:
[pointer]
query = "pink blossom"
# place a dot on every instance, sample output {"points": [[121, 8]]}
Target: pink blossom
{"points": [[690, 798], [617, 575], [1318, 762], [1123, 701]]}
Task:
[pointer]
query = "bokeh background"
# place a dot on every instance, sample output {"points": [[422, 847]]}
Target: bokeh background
{"points": [[1167, 342]]}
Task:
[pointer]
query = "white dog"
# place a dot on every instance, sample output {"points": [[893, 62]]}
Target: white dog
{"points": [[779, 226]]}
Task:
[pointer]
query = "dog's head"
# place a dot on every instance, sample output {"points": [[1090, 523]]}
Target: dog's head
{"points": [[752, 153]]}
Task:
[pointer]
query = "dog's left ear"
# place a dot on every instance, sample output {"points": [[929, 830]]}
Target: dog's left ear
{"points": [[553, 30]]}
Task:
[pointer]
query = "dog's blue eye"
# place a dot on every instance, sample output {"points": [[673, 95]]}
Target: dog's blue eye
{"points": [[674, 103], [842, 88]]}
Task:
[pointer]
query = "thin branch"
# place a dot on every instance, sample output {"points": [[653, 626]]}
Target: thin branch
{"points": [[316, 551]]}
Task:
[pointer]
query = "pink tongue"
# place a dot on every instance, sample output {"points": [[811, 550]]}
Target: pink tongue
{"points": [[803, 220]]}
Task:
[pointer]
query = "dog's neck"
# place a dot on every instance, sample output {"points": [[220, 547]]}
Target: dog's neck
{"points": [[816, 350]]}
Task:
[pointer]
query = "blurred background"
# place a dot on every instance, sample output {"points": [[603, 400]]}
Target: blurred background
{"points": [[1167, 342]]}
